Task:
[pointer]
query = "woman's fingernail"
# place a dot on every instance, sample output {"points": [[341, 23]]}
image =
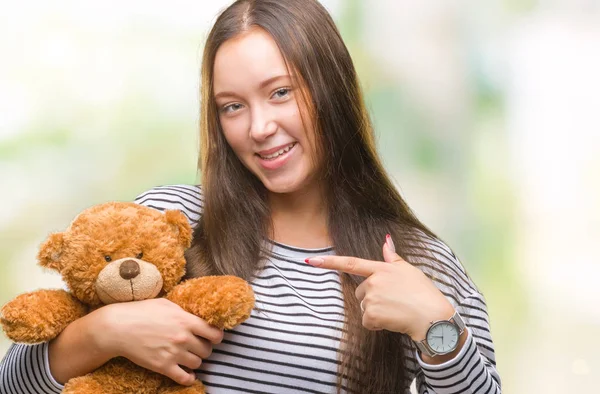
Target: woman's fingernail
{"points": [[314, 261], [390, 243]]}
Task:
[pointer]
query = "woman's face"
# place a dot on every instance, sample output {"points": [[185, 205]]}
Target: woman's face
{"points": [[259, 108]]}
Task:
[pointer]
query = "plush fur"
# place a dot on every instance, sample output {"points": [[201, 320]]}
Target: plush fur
{"points": [[120, 252]]}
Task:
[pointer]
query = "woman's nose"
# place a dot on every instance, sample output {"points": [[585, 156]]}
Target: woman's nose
{"points": [[262, 126]]}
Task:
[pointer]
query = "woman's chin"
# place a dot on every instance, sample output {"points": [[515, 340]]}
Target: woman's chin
{"points": [[292, 178], [282, 186]]}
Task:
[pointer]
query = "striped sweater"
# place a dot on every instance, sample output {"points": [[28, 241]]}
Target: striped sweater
{"points": [[290, 342]]}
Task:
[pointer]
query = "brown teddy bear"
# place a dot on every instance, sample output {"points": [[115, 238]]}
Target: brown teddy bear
{"points": [[119, 252]]}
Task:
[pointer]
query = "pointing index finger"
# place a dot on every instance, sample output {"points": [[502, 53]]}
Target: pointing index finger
{"points": [[348, 264]]}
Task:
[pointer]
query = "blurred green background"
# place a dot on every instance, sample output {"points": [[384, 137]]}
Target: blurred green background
{"points": [[486, 116]]}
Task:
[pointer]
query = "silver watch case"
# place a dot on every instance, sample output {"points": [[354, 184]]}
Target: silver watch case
{"points": [[424, 347]]}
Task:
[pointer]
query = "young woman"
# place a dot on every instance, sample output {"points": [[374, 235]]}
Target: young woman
{"points": [[354, 294]]}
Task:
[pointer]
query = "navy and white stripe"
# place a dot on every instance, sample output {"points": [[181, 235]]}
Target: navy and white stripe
{"points": [[25, 369], [290, 343]]}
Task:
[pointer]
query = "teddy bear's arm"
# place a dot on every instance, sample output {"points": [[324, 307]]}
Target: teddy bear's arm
{"points": [[223, 301], [39, 316]]}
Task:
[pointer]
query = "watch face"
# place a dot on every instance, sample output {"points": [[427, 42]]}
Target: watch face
{"points": [[442, 337]]}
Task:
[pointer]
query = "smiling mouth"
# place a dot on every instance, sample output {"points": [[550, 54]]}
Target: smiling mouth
{"points": [[279, 153]]}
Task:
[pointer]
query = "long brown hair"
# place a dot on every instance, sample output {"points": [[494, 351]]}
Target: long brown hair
{"points": [[362, 202]]}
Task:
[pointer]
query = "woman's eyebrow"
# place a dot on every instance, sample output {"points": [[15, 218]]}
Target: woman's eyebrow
{"points": [[269, 81], [261, 85]]}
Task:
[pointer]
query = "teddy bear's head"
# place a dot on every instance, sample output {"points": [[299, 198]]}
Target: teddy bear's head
{"points": [[119, 251]]}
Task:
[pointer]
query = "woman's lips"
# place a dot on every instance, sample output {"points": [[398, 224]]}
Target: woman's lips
{"points": [[279, 161], [270, 152]]}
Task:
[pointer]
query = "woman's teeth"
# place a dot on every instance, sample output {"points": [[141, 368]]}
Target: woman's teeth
{"points": [[278, 153]]}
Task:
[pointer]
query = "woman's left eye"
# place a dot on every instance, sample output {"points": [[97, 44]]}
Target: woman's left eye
{"points": [[281, 93]]}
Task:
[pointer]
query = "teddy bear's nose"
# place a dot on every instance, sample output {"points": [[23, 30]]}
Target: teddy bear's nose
{"points": [[129, 269]]}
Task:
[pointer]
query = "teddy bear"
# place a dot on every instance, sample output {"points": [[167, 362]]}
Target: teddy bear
{"points": [[122, 252]]}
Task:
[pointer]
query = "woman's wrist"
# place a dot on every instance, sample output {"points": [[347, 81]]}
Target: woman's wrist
{"points": [[102, 333], [79, 349]]}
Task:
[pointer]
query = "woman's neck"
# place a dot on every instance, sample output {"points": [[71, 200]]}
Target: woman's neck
{"points": [[300, 218]]}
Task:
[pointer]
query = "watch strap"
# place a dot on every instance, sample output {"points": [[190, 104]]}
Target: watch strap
{"points": [[424, 348], [460, 323]]}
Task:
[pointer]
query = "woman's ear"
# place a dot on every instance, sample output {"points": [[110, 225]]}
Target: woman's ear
{"points": [[180, 225], [50, 251]]}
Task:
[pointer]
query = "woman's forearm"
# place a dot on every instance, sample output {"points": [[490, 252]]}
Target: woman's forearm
{"points": [[77, 350]]}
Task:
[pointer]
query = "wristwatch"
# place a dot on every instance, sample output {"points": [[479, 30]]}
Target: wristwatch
{"points": [[442, 336]]}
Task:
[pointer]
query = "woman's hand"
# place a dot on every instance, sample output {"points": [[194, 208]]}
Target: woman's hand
{"points": [[158, 335], [395, 295]]}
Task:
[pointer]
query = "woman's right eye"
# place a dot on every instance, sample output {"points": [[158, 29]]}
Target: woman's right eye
{"points": [[231, 108]]}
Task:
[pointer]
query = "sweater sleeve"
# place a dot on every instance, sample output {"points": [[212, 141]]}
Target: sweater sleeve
{"points": [[25, 370], [185, 198], [473, 370]]}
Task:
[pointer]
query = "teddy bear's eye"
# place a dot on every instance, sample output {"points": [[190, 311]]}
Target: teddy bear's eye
{"points": [[108, 258], [140, 255]]}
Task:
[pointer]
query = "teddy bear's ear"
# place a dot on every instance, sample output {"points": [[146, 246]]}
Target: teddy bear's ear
{"points": [[50, 251], [180, 225]]}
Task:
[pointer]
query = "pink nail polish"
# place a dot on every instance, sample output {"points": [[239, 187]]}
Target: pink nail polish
{"points": [[390, 243], [314, 261]]}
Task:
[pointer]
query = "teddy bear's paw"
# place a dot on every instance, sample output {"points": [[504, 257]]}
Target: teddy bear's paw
{"points": [[39, 316], [196, 388], [105, 381], [84, 385], [223, 301]]}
